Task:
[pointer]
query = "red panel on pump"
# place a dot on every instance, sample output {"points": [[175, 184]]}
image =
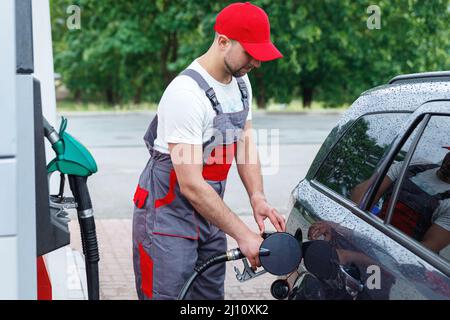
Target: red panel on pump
{"points": [[44, 286]]}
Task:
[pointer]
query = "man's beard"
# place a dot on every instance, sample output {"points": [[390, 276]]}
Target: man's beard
{"points": [[236, 73]]}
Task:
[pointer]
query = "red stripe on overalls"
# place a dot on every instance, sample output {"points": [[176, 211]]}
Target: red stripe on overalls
{"points": [[219, 163], [215, 169], [146, 264], [170, 196]]}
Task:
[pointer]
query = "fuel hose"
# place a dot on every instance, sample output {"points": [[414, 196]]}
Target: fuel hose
{"points": [[78, 186], [230, 255]]}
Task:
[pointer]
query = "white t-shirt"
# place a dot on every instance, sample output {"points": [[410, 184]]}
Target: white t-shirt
{"points": [[429, 182], [185, 114]]}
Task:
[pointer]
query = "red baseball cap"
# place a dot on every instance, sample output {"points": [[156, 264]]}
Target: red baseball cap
{"points": [[249, 25]]}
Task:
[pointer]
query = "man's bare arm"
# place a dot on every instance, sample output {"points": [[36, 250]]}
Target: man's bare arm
{"points": [[249, 169], [248, 164]]}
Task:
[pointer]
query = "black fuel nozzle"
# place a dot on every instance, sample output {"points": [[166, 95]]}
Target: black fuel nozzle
{"points": [[236, 254]]}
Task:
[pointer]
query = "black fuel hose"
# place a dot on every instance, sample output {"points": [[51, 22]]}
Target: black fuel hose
{"points": [[78, 185], [233, 254]]}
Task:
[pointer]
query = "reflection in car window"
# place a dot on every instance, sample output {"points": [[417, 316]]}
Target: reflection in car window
{"points": [[357, 154], [422, 210]]}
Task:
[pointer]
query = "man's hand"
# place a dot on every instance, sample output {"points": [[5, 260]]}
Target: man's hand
{"points": [[249, 244], [262, 210]]}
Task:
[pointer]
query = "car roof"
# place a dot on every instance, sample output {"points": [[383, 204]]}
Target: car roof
{"points": [[403, 93], [420, 77]]}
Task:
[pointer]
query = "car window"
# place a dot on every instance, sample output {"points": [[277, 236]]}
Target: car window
{"points": [[422, 209], [357, 154]]}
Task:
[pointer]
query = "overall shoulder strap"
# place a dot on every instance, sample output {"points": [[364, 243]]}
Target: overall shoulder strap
{"points": [[209, 91], [151, 134], [244, 91]]}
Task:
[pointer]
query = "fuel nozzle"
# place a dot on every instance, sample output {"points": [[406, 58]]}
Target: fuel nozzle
{"points": [[236, 254]]}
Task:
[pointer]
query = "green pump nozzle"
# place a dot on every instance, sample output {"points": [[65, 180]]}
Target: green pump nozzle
{"points": [[72, 158]]}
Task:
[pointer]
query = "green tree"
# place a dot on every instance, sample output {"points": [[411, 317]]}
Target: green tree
{"points": [[332, 55], [130, 51], [126, 50]]}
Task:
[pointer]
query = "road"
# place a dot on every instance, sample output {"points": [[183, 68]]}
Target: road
{"points": [[115, 141]]}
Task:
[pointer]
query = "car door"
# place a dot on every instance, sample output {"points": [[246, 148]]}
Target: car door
{"points": [[391, 262], [353, 158]]}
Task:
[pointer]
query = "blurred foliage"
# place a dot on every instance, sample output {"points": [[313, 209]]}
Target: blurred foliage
{"points": [[128, 51], [353, 160]]}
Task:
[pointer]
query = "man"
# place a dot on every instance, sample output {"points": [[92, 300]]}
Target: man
{"points": [[180, 219], [422, 210]]}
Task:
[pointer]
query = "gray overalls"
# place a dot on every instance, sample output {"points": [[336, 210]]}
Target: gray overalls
{"points": [[169, 237]]}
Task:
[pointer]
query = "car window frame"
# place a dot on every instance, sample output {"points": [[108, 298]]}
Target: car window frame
{"points": [[344, 133], [360, 210], [399, 182]]}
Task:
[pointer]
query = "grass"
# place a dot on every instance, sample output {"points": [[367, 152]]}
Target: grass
{"points": [[294, 106]]}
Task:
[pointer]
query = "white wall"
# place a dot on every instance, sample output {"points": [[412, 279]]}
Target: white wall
{"points": [[9, 288], [43, 70]]}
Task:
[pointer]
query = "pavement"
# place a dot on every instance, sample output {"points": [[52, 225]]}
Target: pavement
{"points": [[116, 266]]}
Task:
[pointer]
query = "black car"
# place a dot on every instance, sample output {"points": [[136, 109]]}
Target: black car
{"points": [[376, 199]]}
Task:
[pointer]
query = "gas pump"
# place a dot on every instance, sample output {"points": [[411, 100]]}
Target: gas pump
{"points": [[75, 161]]}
